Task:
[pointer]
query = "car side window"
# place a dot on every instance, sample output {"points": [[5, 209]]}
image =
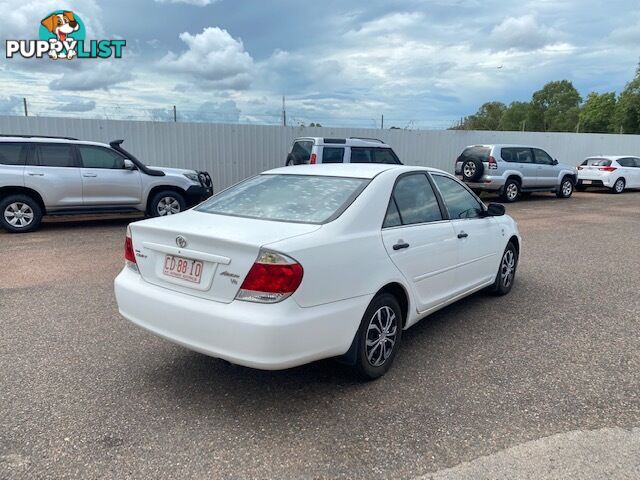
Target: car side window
{"points": [[302, 151], [413, 201], [459, 201], [542, 157], [332, 155], [55, 155], [517, 155], [627, 162], [385, 155], [361, 155], [98, 157], [12, 154]]}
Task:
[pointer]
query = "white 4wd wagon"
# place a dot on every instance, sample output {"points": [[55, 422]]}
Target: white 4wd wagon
{"points": [[47, 175], [315, 150]]}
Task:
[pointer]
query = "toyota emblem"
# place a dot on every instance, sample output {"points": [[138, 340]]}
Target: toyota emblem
{"points": [[181, 241]]}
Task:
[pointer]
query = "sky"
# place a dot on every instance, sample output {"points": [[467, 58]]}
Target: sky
{"points": [[420, 63]]}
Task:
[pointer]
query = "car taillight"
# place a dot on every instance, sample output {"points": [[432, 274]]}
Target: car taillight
{"points": [[129, 254], [272, 278], [313, 159], [607, 169], [492, 163]]}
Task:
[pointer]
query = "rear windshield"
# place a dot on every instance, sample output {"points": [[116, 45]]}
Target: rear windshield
{"points": [[479, 153], [287, 198], [597, 162]]}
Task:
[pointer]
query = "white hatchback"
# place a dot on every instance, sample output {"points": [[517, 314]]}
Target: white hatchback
{"points": [[613, 172], [309, 262]]}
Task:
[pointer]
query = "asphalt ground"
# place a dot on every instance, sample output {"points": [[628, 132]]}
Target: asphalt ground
{"points": [[542, 383]]}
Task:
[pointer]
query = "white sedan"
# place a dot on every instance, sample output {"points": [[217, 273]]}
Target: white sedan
{"points": [[309, 262], [613, 172]]}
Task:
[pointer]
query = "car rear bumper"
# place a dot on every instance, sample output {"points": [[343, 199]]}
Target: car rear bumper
{"points": [[264, 336], [591, 183]]}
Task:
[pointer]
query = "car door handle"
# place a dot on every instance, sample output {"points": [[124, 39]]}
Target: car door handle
{"points": [[89, 174], [400, 246], [463, 235], [32, 174]]}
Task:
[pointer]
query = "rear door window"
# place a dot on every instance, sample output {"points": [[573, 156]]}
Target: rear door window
{"points": [[627, 162], [332, 155], [413, 201], [361, 155], [12, 154], [542, 157], [475, 153], [302, 151], [55, 155], [459, 201], [517, 155], [385, 155]]}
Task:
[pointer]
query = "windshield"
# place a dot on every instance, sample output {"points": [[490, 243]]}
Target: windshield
{"points": [[287, 198]]}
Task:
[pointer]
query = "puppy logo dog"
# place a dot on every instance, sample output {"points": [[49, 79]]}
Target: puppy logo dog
{"points": [[61, 25]]}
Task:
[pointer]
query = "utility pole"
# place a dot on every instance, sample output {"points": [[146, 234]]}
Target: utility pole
{"points": [[175, 114], [26, 112], [284, 113], [382, 122]]}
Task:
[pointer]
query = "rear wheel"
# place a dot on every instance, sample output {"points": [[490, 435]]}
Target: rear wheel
{"points": [[618, 187], [511, 191], [378, 337], [20, 214], [166, 203], [506, 272], [566, 188]]}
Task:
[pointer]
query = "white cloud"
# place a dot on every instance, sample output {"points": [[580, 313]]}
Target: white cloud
{"points": [[521, 33], [197, 3], [213, 56], [100, 77], [76, 106]]}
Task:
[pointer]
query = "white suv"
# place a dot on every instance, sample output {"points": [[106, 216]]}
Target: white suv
{"points": [[47, 175], [313, 150]]}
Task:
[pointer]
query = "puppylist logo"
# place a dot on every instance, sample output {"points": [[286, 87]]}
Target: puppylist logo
{"points": [[62, 35]]}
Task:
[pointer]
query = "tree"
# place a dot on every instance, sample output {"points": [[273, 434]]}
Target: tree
{"points": [[486, 118], [627, 117], [556, 107], [516, 117], [597, 115]]}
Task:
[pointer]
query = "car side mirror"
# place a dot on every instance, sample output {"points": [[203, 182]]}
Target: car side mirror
{"points": [[495, 210], [555, 161], [129, 165]]}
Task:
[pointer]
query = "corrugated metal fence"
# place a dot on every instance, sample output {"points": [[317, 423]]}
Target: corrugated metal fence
{"points": [[233, 152]]}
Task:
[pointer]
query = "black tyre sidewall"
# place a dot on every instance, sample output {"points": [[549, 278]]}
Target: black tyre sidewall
{"points": [[478, 172], [33, 204], [153, 206], [362, 366], [560, 193]]}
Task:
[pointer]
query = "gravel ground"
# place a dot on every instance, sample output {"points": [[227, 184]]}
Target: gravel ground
{"points": [[488, 385]]}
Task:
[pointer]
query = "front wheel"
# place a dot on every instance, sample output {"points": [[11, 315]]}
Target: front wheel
{"points": [[378, 337], [506, 272], [566, 188], [20, 214], [166, 203], [511, 191]]}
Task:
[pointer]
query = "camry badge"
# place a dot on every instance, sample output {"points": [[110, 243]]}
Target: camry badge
{"points": [[181, 241]]}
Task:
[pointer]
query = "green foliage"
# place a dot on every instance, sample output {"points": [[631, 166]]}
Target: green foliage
{"points": [[516, 117], [557, 105], [598, 113], [627, 117], [487, 117]]}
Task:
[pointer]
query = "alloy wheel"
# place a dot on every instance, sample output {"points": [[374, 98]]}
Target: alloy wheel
{"points": [[19, 215], [567, 188], [507, 268], [512, 191], [381, 336], [469, 169], [168, 206], [619, 186]]}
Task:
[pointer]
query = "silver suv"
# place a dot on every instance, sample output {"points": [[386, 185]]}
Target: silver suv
{"points": [[312, 150], [513, 170], [56, 175]]}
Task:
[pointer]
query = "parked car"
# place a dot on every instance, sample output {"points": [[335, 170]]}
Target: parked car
{"points": [[303, 263], [54, 175], [613, 172], [313, 150], [512, 170]]}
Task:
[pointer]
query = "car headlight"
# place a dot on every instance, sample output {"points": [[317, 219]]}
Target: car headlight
{"points": [[193, 177]]}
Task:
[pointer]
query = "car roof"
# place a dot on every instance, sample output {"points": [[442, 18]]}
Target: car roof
{"points": [[611, 157], [27, 139], [349, 170], [345, 141], [502, 145]]}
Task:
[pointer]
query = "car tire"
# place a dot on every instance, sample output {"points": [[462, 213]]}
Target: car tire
{"points": [[618, 187], [378, 338], [472, 170], [581, 188], [511, 191], [566, 188], [20, 214], [506, 271], [166, 202]]}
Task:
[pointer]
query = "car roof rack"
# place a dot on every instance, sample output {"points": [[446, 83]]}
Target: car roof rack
{"points": [[366, 138], [7, 135]]}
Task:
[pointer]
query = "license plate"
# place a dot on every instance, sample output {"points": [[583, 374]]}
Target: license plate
{"points": [[183, 268], [587, 182]]}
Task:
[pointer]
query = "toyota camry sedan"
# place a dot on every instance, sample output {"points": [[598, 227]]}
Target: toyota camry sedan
{"points": [[309, 262]]}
